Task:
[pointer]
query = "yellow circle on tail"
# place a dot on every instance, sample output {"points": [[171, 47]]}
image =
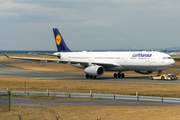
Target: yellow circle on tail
{"points": [[58, 39]]}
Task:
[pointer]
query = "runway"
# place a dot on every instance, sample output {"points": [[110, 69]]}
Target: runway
{"points": [[10, 71]]}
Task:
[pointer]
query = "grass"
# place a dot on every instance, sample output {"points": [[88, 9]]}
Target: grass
{"points": [[92, 113], [50, 67], [17, 84]]}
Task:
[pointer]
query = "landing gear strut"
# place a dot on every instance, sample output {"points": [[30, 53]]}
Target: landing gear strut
{"points": [[90, 76], [119, 75]]}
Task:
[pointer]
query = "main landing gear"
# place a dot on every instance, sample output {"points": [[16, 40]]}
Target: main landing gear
{"points": [[116, 75], [90, 76], [119, 75]]}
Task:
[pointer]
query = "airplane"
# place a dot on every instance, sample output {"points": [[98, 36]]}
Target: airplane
{"points": [[96, 63]]}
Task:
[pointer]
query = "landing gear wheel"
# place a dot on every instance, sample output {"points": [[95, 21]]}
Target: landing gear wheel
{"points": [[95, 77], [119, 75], [87, 76], [115, 75], [123, 75], [91, 76], [151, 77]]}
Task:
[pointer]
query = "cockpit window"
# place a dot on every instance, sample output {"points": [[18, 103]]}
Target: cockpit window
{"points": [[167, 57]]}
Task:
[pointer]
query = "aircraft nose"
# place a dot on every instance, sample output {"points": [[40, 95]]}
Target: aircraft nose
{"points": [[172, 62]]}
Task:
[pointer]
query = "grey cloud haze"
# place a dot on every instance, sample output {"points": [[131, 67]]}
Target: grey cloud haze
{"points": [[89, 24]]}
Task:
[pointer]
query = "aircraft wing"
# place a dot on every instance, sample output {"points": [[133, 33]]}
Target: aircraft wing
{"points": [[85, 64], [107, 65], [35, 59]]}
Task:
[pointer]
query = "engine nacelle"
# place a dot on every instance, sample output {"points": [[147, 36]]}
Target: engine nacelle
{"points": [[145, 72], [94, 70]]}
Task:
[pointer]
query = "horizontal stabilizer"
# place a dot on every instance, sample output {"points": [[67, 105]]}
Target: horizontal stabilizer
{"points": [[6, 55], [35, 53]]}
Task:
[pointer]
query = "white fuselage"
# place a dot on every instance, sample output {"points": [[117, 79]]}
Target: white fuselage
{"points": [[120, 61]]}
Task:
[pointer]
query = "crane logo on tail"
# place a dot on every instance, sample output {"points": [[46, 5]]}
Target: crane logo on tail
{"points": [[58, 39]]}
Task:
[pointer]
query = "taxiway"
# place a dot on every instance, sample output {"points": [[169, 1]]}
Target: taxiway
{"points": [[6, 70]]}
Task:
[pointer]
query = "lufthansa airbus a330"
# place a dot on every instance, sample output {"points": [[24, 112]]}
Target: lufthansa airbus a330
{"points": [[96, 63]]}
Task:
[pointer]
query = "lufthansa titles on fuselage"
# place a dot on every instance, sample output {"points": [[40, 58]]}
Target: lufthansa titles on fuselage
{"points": [[141, 55]]}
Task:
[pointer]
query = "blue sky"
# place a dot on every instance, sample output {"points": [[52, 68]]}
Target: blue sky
{"points": [[89, 24]]}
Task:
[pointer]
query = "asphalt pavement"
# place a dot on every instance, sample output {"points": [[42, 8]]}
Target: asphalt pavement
{"points": [[35, 102], [6, 70]]}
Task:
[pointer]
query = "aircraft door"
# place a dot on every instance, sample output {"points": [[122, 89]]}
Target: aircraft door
{"points": [[153, 61]]}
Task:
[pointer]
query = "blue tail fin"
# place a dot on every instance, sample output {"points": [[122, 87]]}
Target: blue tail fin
{"points": [[61, 45]]}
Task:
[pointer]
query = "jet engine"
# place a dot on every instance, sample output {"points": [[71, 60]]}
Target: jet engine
{"points": [[144, 72], [94, 70]]}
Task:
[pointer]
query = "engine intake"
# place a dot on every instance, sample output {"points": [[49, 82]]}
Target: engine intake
{"points": [[94, 70]]}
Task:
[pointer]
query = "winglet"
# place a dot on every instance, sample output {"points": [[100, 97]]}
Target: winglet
{"points": [[6, 55]]}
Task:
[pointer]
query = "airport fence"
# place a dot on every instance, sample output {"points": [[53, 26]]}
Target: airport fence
{"points": [[98, 96], [5, 99]]}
